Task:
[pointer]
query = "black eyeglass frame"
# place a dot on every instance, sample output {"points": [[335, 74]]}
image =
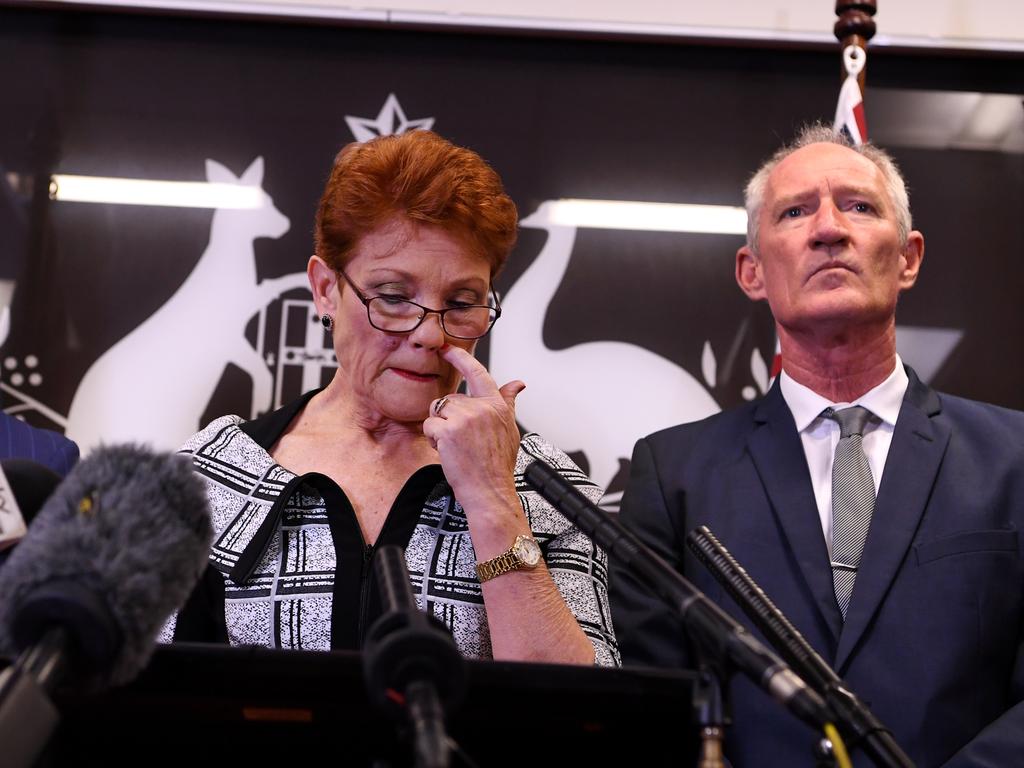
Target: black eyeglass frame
{"points": [[424, 311]]}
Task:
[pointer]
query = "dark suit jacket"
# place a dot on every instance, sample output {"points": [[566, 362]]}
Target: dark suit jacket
{"points": [[934, 636], [18, 440]]}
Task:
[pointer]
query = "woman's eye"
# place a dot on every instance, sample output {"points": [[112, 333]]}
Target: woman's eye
{"points": [[390, 298]]}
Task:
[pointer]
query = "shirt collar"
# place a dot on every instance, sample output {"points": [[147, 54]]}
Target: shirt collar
{"points": [[884, 400]]}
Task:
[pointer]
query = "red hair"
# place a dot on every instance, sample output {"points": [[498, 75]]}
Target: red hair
{"points": [[424, 178]]}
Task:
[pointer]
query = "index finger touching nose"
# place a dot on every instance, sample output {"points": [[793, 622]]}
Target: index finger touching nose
{"points": [[478, 381]]}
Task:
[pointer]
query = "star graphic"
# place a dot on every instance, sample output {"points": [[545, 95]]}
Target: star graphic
{"points": [[391, 120]]}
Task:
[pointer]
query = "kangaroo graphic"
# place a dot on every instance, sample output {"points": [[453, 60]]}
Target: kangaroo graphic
{"points": [[598, 397], [154, 384]]}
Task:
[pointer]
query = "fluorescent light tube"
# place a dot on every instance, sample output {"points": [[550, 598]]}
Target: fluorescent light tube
{"points": [[652, 217], [179, 194]]}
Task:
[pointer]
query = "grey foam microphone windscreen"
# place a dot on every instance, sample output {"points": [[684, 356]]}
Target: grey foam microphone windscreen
{"points": [[114, 551]]}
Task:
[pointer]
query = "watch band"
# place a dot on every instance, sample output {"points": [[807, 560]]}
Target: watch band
{"points": [[503, 563], [511, 559]]}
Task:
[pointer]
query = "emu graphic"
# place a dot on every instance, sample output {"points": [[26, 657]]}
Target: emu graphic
{"points": [[598, 397]]}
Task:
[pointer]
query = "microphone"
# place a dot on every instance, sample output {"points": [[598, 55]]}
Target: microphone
{"points": [[115, 549], [409, 656], [24, 486], [852, 716], [715, 631]]}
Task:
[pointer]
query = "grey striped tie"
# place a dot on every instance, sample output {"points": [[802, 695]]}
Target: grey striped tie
{"points": [[853, 500]]}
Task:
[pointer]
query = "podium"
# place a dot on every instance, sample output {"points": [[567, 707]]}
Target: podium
{"points": [[202, 705]]}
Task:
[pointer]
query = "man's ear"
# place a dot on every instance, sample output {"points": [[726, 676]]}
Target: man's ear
{"points": [[910, 260], [749, 275], [323, 284]]}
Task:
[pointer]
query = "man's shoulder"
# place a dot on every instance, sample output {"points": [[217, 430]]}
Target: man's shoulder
{"points": [[982, 423], [962, 407], [723, 428]]}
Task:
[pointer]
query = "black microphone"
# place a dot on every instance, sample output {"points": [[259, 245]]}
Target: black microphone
{"points": [[716, 632], [30, 484], [116, 548], [411, 656], [853, 718]]}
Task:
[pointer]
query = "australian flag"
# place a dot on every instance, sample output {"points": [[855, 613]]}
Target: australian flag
{"points": [[850, 111]]}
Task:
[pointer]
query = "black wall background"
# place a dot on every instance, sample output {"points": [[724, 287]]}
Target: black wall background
{"points": [[153, 96]]}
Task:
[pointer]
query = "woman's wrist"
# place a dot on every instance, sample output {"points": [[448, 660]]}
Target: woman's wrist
{"points": [[494, 524]]}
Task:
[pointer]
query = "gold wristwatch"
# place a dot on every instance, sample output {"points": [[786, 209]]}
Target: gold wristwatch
{"points": [[523, 554]]}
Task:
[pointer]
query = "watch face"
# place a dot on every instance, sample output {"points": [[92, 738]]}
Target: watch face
{"points": [[527, 550]]}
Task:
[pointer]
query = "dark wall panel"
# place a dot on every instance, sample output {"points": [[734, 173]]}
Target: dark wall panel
{"points": [[156, 97]]}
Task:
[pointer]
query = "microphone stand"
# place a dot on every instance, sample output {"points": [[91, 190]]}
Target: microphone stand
{"points": [[720, 637], [410, 658], [28, 715], [852, 716], [710, 706], [64, 631]]}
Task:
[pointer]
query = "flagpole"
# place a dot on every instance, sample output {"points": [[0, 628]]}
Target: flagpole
{"points": [[856, 26]]}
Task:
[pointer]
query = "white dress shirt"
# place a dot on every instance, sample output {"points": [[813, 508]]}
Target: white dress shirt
{"points": [[820, 435]]}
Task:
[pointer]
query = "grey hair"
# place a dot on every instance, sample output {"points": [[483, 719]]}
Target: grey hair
{"points": [[818, 133]]}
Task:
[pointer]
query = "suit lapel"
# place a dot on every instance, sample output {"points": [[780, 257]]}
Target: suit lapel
{"points": [[779, 457], [918, 445]]}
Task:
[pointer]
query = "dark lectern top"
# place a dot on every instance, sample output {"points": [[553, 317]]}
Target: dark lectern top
{"points": [[204, 705]]}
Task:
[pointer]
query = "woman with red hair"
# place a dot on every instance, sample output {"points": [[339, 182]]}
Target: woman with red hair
{"points": [[410, 233]]}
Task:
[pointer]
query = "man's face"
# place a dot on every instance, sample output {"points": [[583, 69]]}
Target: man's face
{"points": [[829, 255]]}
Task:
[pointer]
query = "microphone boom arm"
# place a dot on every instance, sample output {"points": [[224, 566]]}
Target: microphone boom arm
{"points": [[852, 716], [717, 633]]}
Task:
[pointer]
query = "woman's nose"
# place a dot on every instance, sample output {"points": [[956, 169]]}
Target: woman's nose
{"points": [[430, 332]]}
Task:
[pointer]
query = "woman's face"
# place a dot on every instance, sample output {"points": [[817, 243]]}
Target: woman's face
{"points": [[395, 376]]}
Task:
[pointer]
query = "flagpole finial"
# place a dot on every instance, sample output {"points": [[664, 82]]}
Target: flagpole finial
{"points": [[854, 59], [855, 21], [856, 26]]}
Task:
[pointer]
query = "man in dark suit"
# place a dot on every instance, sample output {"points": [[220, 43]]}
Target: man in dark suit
{"points": [[18, 440], [890, 540]]}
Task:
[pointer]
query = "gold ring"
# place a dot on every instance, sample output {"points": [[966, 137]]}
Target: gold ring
{"points": [[441, 403]]}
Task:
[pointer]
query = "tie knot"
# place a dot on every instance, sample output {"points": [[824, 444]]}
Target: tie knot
{"points": [[851, 420]]}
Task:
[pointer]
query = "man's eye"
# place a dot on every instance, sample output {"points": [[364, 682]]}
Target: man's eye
{"points": [[863, 207], [791, 213]]}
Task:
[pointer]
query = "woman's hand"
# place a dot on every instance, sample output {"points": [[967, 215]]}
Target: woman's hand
{"points": [[476, 434], [477, 438]]}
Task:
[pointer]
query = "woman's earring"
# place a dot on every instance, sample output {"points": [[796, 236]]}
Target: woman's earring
{"points": [[327, 322]]}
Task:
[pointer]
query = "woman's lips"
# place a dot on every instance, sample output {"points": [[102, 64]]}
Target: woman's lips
{"points": [[414, 376]]}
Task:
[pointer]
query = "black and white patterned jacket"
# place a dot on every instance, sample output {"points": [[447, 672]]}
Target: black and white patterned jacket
{"points": [[291, 569]]}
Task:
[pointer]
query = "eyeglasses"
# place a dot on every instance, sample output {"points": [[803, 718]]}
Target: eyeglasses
{"points": [[395, 315]]}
